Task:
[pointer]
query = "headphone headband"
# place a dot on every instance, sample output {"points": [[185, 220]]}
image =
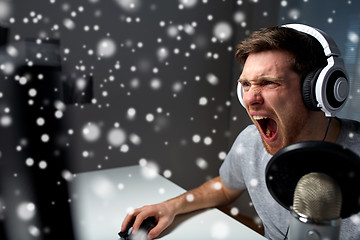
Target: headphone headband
{"points": [[328, 44]]}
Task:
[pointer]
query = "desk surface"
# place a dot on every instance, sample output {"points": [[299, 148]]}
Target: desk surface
{"points": [[101, 199]]}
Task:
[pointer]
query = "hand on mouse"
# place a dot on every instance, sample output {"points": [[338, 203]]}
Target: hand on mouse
{"points": [[205, 196], [162, 212]]}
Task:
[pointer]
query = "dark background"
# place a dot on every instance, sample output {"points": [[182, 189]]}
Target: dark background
{"points": [[169, 63]]}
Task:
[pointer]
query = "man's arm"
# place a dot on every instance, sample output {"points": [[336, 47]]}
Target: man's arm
{"points": [[212, 193]]}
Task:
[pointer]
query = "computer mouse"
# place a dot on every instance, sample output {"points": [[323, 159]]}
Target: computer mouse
{"points": [[144, 229]]}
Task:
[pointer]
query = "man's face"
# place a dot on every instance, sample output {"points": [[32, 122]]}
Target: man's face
{"points": [[273, 100]]}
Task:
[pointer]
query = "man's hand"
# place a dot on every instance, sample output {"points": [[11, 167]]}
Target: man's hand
{"points": [[210, 194], [162, 212]]}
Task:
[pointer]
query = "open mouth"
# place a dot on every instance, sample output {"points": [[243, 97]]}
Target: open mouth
{"points": [[268, 126]]}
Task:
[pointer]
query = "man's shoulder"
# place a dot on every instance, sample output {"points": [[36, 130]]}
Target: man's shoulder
{"points": [[250, 129], [249, 137], [350, 125], [250, 133], [350, 134]]}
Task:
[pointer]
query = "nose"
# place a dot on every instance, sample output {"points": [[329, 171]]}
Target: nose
{"points": [[253, 96]]}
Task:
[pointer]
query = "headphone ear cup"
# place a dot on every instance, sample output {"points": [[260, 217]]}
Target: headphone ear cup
{"points": [[240, 93], [308, 90]]}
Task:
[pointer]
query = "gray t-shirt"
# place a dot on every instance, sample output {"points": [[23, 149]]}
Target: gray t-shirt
{"points": [[244, 168]]}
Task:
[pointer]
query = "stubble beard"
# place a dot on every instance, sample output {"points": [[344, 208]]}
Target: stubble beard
{"points": [[291, 135]]}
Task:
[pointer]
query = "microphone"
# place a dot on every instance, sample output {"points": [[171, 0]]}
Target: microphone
{"points": [[315, 214]]}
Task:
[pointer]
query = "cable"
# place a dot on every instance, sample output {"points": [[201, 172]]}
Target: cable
{"points": [[287, 232], [326, 132], [327, 128]]}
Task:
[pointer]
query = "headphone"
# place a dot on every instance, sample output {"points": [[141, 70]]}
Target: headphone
{"points": [[327, 88]]}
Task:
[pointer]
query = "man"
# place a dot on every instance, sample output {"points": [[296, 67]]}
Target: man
{"points": [[275, 62]]}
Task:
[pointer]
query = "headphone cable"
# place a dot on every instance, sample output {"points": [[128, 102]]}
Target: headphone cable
{"points": [[326, 131], [327, 128]]}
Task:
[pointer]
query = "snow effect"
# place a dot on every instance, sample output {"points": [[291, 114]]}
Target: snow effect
{"points": [[353, 37], [167, 173], [234, 211], [5, 121], [34, 231], [146, 80], [91, 132], [190, 197], [223, 31], [106, 48], [220, 230], [202, 163], [116, 137], [103, 187], [149, 169], [6, 10], [26, 211]]}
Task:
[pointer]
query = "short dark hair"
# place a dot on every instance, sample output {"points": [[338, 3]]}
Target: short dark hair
{"points": [[307, 51]]}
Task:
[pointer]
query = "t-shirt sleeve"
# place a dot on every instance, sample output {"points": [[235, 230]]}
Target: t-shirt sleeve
{"points": [[231, 171]]}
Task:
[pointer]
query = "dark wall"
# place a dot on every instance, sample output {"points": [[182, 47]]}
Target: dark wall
{"points": [[166, 64], [150, 81]]}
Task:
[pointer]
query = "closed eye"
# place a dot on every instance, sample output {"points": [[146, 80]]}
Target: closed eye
{"points": [[268, 83], [245, 83]]}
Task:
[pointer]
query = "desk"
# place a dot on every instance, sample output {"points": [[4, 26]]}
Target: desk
{"points": [[101, 199]]}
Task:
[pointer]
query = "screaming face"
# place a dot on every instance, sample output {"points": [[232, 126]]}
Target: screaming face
{"points": [[273, 100]]}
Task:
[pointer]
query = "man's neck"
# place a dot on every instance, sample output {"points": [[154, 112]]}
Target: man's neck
{"points": [[316, 129], [333, 131]]}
